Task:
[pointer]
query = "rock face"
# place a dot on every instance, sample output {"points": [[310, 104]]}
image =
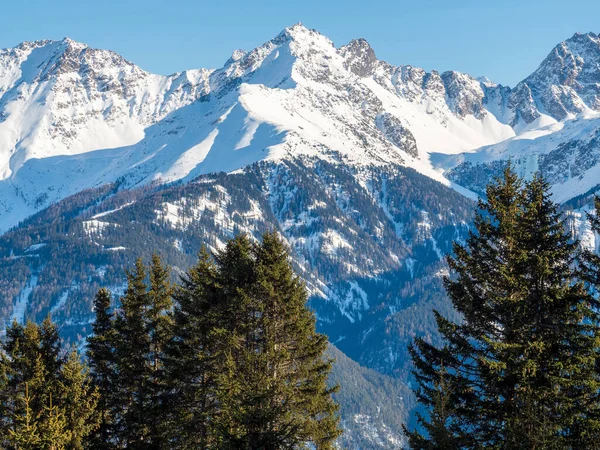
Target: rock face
{"points": [[556, 114], [359, 58], [397, 134], [567, 82], [465, 94], [522, 105], [63, 97]]}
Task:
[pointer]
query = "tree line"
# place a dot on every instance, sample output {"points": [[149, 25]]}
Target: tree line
{"points": [[227, 358], [521, 370]]}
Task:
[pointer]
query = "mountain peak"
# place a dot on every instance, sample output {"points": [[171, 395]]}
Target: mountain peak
{"points": [[236, 55], [486, 81], [294, 32], [302, 36], [567, 82], [579, 45], [359, 57], [72, 44], [296, 28], [360, 45], [582, 37]]}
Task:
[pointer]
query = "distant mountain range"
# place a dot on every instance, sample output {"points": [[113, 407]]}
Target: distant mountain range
{"points": [[368, 170]]}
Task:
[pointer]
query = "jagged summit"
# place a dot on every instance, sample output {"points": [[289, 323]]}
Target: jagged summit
{"points": [[565, 84], [296, 31], [359, 57], [236, 55], [583, 39], [556, 113], [73, 43]]}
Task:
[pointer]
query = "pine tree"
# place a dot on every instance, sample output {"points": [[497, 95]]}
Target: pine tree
{"points": [[48, 401], [22, 346], [562, 334], [5, 400], [518, 372], [51, 348], [438, 393], [79, 402], [159, 323], [132, 346], [54, 434], [27, 370], [591, 274], [288, 402], [236, 327], [102, 361], [192, 362], [142, 329], [247, 365], [591, 266], [24, 434]]}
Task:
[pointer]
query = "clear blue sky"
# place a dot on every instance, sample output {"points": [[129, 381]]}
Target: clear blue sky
{"points": [[503, 39]]}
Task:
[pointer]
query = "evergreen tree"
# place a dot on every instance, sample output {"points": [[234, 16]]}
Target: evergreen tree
{"points": [[438, 395], [591, 274], [518, 372], [247, 366], [54, 432], [21, 347], [142, 329], [24, 434], [5, 406], [79, 402], [236, 327], [102, 361], [159, 323], [591, 264], [290, 402], [27, 371], [132, 346], [561, 331], [51, 349], [43, 409], [192, 361]]}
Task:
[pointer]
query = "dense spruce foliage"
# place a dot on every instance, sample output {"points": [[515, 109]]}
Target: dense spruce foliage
{"points": [[246, 364], [47, 400], [234, 363], [520, 370]]}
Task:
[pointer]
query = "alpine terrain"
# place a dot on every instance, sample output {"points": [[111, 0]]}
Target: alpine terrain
{"points": [[368, 171]]}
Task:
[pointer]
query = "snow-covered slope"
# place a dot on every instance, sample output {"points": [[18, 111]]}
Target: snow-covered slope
{"points": [[63, 98], [72, 117], [566, 153], [555, 113]]}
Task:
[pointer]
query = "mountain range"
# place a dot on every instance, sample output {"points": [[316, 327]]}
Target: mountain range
{"points": [[368, 170]]}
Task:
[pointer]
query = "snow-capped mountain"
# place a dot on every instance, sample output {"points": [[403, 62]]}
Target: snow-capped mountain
{"points": [[565, 84], [72, 117], [568, 80], [359, 164], [555, 113]]}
